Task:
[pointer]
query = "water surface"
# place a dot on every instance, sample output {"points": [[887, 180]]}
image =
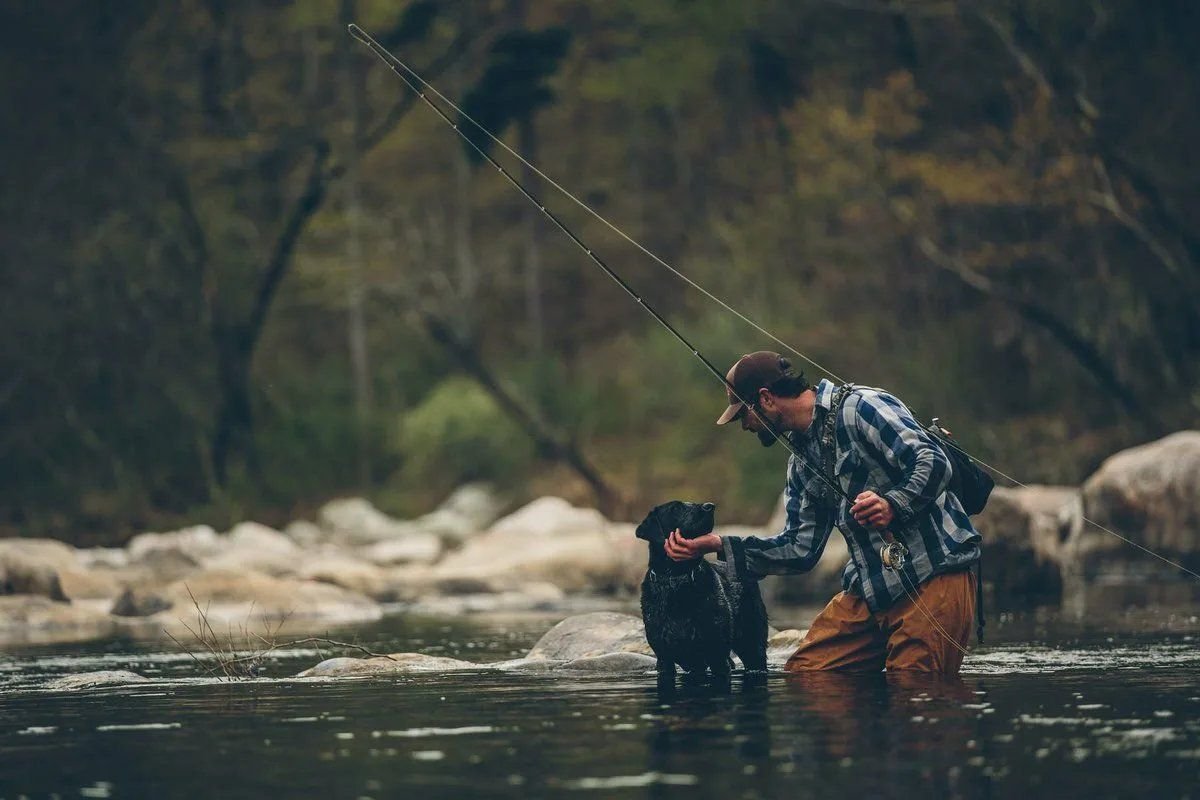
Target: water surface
{"points": [[1110, 708]]}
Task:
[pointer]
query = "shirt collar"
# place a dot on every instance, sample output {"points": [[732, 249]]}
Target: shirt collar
{"points": [[824, 401], [825, 393]]}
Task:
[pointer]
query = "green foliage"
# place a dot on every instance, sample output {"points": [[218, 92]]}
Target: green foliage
{"points": [[982, 207], [459, 434]]}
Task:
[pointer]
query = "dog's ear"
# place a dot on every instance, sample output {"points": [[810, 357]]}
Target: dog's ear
{"points": [[649, 527]]}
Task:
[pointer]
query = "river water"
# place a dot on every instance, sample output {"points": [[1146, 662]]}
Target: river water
{"points": [[1049, 708]]}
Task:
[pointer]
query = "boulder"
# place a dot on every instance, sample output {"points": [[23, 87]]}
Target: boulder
{"points": [[241, 597], [196, 543], [45, 551], [529, 597], [94, 584], [576, 549], [342, 570], [395, 663], [414, 547], [354, 521], [138, 603], [107, 557], [588, 635], [159, 566], [39, 620], [304, 533], [1026, 538], [26, 571], [1151, 495], [250, 545], [782, 644], [612, 663], [88, 680], [467, 511]]}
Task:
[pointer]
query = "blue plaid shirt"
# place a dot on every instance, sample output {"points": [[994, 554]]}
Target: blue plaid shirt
{"points": [[879, 447]]}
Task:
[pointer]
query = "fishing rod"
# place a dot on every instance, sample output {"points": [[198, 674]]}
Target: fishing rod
{"points": [[408, 75], [893, 554], [401, 69]]}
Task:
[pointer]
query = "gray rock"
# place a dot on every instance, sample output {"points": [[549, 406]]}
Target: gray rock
{"points": [[594, 634], [411, 547], [88, 680], [612, 663], [394, 663], [197, 543], [1150, 494], [467, 511], [304, 533], [354, 521], [551, 541], [1026, 536], [39, 620], [138, 603], [782, 644], [28, 573], [233, 599]]}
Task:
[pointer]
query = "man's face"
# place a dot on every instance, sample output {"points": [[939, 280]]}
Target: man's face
{"points": [[753, 422]]}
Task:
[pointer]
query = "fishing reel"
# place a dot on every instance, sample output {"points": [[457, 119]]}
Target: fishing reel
{"points": [[893, 555]]}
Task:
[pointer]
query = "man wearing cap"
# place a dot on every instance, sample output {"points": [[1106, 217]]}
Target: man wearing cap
{"points": [[893, 482]]}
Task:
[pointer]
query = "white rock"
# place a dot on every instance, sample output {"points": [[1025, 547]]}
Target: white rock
{"points": [[304, 533], [1150, 494], [197, 543], [354, 521], [549, 517], [587, 635], [39, 620], [393, 663], [414, 547], [87, 680]]}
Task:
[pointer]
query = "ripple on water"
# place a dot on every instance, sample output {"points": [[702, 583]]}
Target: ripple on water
{"points": [[632, 781]]}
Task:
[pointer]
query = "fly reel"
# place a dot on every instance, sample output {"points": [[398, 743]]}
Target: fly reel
{"points": [[893, 555]]}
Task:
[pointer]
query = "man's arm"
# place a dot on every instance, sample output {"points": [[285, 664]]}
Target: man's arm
{"points": [[886, 431], [797, 549]]}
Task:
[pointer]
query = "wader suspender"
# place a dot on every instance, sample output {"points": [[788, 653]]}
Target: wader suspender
{"points": [[828, 446]]}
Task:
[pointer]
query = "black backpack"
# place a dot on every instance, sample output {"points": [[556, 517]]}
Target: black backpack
{"points": [[970, 484]]}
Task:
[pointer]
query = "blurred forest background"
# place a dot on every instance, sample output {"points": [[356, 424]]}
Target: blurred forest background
{"points": [[245, 270]]}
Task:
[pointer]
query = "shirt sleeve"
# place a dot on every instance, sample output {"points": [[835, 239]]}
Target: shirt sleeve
{"points": [[885, 431], [797, 549]]}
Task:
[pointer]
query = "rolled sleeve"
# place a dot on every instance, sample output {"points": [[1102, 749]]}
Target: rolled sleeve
{"points": [[796, 549]]}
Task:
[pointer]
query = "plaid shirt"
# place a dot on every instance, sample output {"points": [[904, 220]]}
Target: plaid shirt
{"points": [[879, 447]]}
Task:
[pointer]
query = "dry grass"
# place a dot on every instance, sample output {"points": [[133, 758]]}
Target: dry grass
{"points": [[240, 654]]}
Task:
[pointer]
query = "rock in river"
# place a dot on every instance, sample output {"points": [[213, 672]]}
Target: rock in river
{"points": [[87, 680], [589, 635]]}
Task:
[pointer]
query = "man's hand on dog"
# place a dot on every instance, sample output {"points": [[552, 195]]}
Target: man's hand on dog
{"points": [[872, 511], [681, 549]]}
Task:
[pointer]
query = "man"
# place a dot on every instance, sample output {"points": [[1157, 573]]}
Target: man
{"points": [[894, 478]]}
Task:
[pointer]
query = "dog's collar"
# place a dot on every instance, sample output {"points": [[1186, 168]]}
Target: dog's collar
{"points": [[686, 577]]}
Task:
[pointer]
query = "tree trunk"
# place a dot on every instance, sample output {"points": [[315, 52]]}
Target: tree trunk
{"points": [[356, 290]]}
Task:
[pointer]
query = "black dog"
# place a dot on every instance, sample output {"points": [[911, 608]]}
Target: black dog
{"points": [[694, 614]]}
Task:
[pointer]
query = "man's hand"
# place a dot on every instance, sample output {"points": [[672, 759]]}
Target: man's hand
{"points": [[872, 511], [681, 549]]}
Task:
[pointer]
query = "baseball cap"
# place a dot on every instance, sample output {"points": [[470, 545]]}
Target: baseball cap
{"points": [[753, 371]]}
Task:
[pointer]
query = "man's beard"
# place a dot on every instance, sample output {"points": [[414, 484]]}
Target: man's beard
{"points": [[765, 437]]}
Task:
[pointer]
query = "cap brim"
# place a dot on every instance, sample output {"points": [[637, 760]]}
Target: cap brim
{"points": [[733, 412]]}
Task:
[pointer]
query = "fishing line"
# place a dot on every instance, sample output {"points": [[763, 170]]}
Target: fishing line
{"points": [[393, 61], [404, 72]]}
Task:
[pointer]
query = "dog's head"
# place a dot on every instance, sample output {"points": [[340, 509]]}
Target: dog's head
{"points": [[692, 520]]}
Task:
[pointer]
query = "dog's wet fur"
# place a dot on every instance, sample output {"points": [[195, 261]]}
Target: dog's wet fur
{"points": [[694, 614]]}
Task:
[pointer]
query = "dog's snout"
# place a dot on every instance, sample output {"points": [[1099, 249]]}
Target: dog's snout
{"points": [[709, 506]]}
